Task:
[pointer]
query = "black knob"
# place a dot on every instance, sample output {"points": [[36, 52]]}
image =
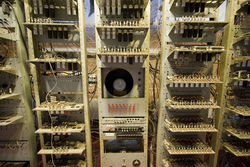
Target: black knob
{"points": [[136, 163]]}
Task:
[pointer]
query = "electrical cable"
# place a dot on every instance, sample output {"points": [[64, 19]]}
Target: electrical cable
{"points": [[94, 92], [46, 97], [51, 139]]}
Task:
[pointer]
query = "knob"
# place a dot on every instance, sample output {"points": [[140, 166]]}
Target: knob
{"points": [[136, 163]]}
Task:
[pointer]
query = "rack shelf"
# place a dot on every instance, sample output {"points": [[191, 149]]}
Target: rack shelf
{"points": [[123, 26], [197, 148], [10, 120], [59, 107], [123, 53], [62, 130], [54, 60], [194, 80], [235, 150], [187, 128], [28, 24], [209, 3], [242, 110], [239, 58], [239, 133], [8, 69], [199, 49], [9, 96], [61, 152], [68, 163], [180, 162], [189, 105]]}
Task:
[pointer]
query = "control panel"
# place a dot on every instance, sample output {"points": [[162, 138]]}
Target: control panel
{"points": [[122, 29]]}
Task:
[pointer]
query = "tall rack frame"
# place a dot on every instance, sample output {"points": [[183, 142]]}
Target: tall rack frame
{"points": [[82, 60]]}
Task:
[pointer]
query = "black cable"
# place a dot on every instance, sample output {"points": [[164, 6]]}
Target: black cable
{"points": [[94, 92], [154, 83]]}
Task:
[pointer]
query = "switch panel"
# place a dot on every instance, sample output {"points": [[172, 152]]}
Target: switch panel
{"points": [[122, 41]]}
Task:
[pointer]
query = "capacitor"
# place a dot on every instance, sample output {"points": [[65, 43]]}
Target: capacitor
{"points": [[109, 59], [40, 7], [108, 33], [141, 10], [119, 35], [130, 36], [190, 31], [141, 5], [124, 10], [184, 35], [183, 3], [49, 32], [35, 31], [197, 7], [198, 57], [35, 9], [182, 28], [103, 34], [68, 7], [65, 33], [74, 11], [202, 7], [113, 7], [40, 29], [191, 6], [195, 31], [176, 30], [209, 56], [114, 59], [113, 33], [52, 9], [54, 31], [103, 59], [118, 7], [125, 59], [131, 10], [186, 8], [176, 53], [245, 83], [107, 7], [46, 8], [60, 32], [178, 3], [125, 36], [200, 31], [204, 57], [136, 9]]}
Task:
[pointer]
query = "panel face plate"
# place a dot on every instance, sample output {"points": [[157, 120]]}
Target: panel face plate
{"points": [[122, 42], [126, 159], [124, 107]]}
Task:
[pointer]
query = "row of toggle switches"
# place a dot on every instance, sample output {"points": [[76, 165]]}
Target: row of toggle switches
{"points": [[123, 23], [122, 35], [128, 8], [120, 50], [189, 85], [122, 59], [48, 7], [189, 31], [118, 108]]}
